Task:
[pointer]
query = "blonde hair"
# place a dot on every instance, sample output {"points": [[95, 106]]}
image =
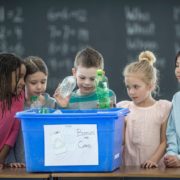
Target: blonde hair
{"points": [[144, 66]]}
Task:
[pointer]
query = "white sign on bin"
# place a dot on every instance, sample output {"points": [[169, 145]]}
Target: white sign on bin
{"points": [[71, 144]]}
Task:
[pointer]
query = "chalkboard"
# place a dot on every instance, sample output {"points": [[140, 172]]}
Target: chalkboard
{"points": [[56, 29]]}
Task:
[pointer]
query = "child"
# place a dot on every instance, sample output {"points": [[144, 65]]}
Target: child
{"points": [[12, 72], [36, 82], [35, 85], [145, 125], [86, 63], [172, 158]]}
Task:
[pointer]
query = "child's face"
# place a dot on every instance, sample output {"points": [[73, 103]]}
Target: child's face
{"points": [[137, 89], [18, 78], [85, 79], [177, 69], [36, 84]]}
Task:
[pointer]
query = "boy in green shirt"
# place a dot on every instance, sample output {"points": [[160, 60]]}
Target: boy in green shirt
{"points": [[86, 63]]}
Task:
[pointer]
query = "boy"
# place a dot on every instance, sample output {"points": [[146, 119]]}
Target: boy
{"points": [[86, 63]]}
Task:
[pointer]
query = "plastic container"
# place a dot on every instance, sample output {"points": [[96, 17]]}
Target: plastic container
{"points": [[73, 140]]}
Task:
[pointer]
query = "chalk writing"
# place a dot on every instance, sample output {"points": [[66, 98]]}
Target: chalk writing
{"points": [[11, 31], [65, 37], [176, 17]]}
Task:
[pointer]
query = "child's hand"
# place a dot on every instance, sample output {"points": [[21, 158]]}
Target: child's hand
{"points": [[149, 164], [16, 165], [63, 102], [2, 165], [171, 161]]}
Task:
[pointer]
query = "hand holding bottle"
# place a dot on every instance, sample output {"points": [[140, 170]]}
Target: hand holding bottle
{"points": [[63, 102], [64, 90]]}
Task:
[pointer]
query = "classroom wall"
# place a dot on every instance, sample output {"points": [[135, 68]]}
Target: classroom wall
{"points": [[56, 29]]}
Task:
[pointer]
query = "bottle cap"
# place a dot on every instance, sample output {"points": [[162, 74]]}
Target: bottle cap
{"points": [[100, 72], [33, 98]]}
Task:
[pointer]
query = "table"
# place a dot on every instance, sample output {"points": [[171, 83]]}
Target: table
{"points": [[21, 173], [123, 172]]}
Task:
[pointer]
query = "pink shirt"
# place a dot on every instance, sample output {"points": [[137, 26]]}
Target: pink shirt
{"points": [[9, 125], [143, 129]]}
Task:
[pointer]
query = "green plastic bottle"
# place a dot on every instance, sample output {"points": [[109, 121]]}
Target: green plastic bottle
{"points": [[102, 90]]}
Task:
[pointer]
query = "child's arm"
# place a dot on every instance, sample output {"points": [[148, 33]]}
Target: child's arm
{"points": [[8, 144], [13, 134], [3, 154], [172, 148], [153, 161], [172, 128], [172, 157]]}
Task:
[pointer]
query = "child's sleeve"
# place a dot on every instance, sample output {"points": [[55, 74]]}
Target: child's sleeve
{"points": [[123, 104], [13, 133], [172, 146], [171, 133]]}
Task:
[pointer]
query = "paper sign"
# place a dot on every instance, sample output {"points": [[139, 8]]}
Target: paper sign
{"points": [[71, 144]]}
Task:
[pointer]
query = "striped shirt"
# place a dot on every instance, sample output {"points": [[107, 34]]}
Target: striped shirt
{"points": [[89, 101]]}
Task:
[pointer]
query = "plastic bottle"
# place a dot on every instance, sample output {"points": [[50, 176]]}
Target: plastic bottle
{"points": [[43, 110], [102, 90], [67, 86], [35, 103]]}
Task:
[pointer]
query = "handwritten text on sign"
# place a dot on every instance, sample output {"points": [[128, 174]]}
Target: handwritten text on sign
{"points": [[71, 144]]}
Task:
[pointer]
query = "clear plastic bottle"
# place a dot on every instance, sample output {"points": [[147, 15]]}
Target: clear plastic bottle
{"points": [[67, 86], [35, 103], [102, 90]]}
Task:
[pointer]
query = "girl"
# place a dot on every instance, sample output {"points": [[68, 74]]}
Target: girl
{"points": [[35, 85], [172, 158], [12, 72], [36, 82], [145, 125]]}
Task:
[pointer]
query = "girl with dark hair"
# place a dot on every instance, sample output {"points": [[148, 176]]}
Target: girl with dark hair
{"points": [[36, 82], [35, 85], [12, 72], [172, 158]]}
